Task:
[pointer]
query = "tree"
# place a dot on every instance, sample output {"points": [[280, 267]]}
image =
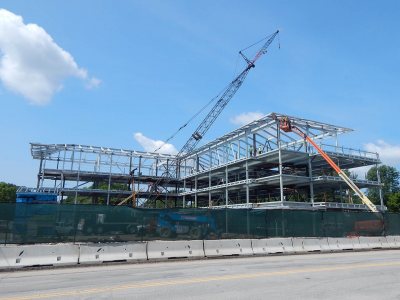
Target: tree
{"points": [[393, 202], [8, 192], [390, 180], [100, 199]]}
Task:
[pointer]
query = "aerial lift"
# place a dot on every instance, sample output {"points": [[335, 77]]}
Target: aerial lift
{"points": [[286, 125]]}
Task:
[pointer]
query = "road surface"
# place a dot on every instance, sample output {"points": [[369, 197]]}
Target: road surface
{"points": [[350, 275]]}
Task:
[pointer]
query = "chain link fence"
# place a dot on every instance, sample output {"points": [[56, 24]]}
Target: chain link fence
{"points": [[50, 223]]}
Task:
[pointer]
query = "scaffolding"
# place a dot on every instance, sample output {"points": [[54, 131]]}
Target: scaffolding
{"points": [[257, 165]]}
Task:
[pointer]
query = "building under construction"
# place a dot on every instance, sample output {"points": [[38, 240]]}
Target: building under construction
{"points": [[257, 165], [262, 164]]}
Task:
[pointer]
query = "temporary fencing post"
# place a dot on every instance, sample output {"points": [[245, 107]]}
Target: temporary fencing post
{"points": [[75, 224], [5, 238]]}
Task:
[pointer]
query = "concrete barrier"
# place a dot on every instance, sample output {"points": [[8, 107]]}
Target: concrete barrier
{"points": [[336, 244], [384, 241], [339, 244], [373, 242], [98, 253], [356, 243], [393, 241], [310, 244], [324, 245], [272, 245], [364, 243], [227, 247], [16, 256], [174, 249]]}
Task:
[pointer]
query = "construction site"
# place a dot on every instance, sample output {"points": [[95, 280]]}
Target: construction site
{"points": [[257, 165], [278, 184], [174, 150], [278, 161]]}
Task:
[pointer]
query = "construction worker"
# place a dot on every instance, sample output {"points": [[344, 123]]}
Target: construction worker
{"points": [[259, 150], [251, 151], [286, 123]]}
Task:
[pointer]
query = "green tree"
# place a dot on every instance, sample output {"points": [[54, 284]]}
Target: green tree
{"points": [[390, 180], [101, 199], [393, 202], [8, 192]]}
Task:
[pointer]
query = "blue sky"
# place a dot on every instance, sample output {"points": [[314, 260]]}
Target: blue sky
{"points": [[155, 63]]}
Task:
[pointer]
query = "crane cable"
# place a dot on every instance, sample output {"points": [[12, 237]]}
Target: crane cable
{"points": [[267, 37], [187, 123], [213, 99], [191, 119]]}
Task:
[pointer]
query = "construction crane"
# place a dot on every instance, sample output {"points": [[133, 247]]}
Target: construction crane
{"points": [[216, 110], [226, 96], [286, 125], [219, 106]]}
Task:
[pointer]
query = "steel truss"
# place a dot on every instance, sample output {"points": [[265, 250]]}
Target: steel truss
{"points": [[260, 165], [256, 165], [103, 173]]}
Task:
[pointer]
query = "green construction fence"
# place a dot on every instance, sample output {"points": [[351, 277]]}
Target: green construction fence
{"points": [[54, 223]]}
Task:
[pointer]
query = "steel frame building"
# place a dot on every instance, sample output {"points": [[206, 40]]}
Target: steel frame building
{"points": [[102, 173], [257, 165]]}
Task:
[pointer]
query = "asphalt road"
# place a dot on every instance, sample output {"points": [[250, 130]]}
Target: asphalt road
{"points": [[351, 275]]}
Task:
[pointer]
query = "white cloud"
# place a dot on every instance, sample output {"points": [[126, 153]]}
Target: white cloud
{"points": [[31, 63], [246, 118], [389, 154], [361, 172], [152, 145], [93, 83]]}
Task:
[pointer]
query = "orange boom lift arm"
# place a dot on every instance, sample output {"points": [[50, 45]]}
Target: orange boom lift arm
{"points": [[286, 125]]}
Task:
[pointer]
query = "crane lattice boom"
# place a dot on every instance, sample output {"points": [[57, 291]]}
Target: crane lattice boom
{"points": [[223, 101], [213, 114], [219, 106]]}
